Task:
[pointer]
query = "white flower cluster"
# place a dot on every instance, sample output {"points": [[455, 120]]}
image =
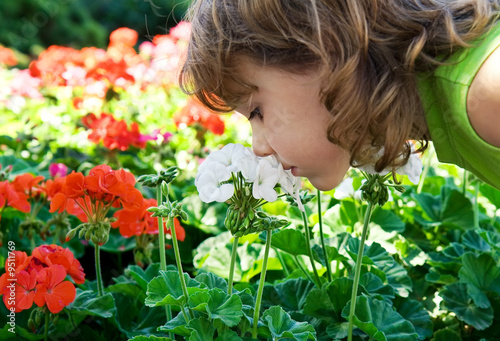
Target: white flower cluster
{"points": [[217, 175]]}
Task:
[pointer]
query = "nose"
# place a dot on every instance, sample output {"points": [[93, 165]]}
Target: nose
{"points": [[260, 145]]}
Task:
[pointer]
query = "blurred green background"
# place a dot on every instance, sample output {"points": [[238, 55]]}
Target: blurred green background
{"points": [[31, 26]]}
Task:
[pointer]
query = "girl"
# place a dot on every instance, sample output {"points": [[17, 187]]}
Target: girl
{"points": [[329, 84]]}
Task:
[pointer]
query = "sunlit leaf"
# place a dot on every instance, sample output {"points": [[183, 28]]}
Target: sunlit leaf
{"points": [[224, 307], [373, 254], [291, 241], [456, 299], [281, 325], [212, 281], [481, 274], [167, 289], [380, 321], [387, 220]]}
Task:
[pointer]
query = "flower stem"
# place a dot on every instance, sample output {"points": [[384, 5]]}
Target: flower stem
{"points": [[282, 261], [309, 250], [357, 272], [46, 331], [476, 204], [231, 266], [161, 246], [260, 290], [297, 260], [427, 166], [100, 289], [171, 225], [322, 237]]}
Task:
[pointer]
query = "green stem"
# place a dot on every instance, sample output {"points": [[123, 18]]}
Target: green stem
{"points": [[282, 261], [309, 250], [171, 225], [357, 272], [322, 238], [427, 166], [100, 288], [297, 260], [46, 332], [161, 246], [234, 252], [476, 204], [161, 233], [465, 182], [260, 290]]}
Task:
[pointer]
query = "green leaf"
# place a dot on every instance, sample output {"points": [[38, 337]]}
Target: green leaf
{"points": [[435, 275], [492, 194], [291, 241], [202, 330], [199, 300], [397, 277], [319, 305], [373, 254], [331, 251], [228, 335], [446, 335], [339, 291], [387, 220], [415, 312], [142, 277], [89, 302], [177, 325], [473, 240], [481, 274], [150, 338], [167, 289], [291, 294], [376, 288], [212, 281], [338, 331], [456, 299], [380, 321], [281, 325], [224, 307]]}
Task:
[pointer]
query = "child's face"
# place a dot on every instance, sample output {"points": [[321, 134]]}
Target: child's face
{"points": [[289, 121]]}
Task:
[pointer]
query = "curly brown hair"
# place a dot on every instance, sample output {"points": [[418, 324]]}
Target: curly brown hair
{"points": [[367, 54]]}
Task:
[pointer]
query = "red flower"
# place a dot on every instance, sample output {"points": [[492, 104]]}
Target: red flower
{"points": [[124, 36], [7, 56], [10, 197], [193, 113], [52, 290], [137, 221], [40, 278]]}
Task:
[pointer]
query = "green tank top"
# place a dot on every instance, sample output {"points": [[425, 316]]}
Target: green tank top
{"points": [[444, 97]]}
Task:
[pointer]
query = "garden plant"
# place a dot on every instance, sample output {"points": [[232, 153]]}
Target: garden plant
{"points": [[129, 212]]}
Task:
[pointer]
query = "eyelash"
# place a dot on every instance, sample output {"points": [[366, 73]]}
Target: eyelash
{"points": [[255, 113]]}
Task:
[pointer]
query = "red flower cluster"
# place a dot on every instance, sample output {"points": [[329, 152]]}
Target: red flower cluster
{"points": [[113, 133], [193, 113], [7, 56], [96, 193], [40, 278], [15, 194], [136, 221]]}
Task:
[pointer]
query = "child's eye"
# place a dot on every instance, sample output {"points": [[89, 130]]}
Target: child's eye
{"points": [[255, 113]]}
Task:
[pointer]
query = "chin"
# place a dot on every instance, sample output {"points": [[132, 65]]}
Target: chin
{"points": [[324, 184]]}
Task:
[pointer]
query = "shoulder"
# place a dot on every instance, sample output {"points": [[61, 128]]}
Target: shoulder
{"points": [[483, 100]]}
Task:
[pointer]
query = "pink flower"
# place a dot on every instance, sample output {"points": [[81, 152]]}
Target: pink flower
{"points": [[58, 169]]}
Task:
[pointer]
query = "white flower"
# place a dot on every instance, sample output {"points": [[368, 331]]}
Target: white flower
{"points": [[413, 168], [267, 178], [228, 156], [248, 165], [346, 190], [210, 183], [290, 185]]}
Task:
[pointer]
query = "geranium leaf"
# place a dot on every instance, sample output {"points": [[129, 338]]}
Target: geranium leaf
{"points": [[473, 240], [338, 331], [202, 330], [375, 287], [150, 338], [456, 298], [90, 303], [291, 241], [481, 274], [199, 300], [331, 251], [167, 289], [224, 307], [281, 325], [374, 254], [228, 335], [387, 220], [415, 312], [212, 281], [339, 291], [446, 335], [291, 294], [380, 321], [177, 325], [397, 277], [491, 193], [319, 305]]}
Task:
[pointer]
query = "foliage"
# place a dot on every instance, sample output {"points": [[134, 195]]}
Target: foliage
{"points": [[429, 270]]}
